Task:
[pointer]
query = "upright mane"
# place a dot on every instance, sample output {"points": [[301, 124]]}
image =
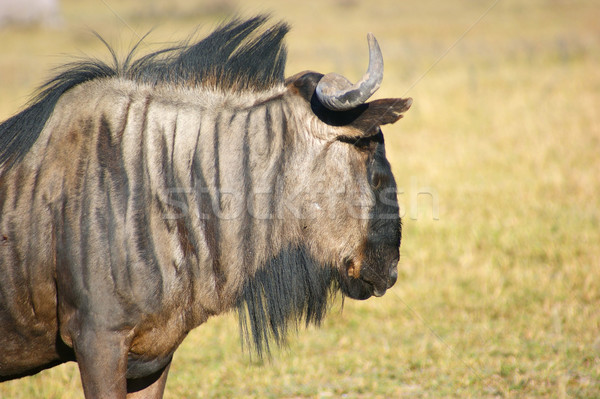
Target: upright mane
{"points": [[235, 57]]}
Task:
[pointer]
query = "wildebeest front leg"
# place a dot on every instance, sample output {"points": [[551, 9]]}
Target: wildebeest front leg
{"points": [[102, 359], [150, 387]]}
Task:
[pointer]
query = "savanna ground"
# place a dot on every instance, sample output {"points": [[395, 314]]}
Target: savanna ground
{"points": [[498, 163]]}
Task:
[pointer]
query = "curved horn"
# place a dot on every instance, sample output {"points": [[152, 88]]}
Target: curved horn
{"points": [[339, 94]]}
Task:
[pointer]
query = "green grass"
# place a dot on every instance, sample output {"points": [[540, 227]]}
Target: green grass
{"points": [[499, 297]]}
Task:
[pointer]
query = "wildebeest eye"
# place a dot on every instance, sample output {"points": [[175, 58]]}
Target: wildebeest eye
{"points": [[377, 181], [380, 180]]}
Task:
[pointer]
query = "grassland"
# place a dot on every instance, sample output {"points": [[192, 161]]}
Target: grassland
{"points": [[499, 288]]}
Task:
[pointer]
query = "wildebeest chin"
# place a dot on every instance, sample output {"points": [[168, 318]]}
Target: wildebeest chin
{"points": [[141, 198]]}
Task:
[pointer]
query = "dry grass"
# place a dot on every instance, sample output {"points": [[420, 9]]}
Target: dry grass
{"points": [[500, 296]]}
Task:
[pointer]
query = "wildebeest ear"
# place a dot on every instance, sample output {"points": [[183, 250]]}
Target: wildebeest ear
{"points": [[365, 118], [379, 112]]}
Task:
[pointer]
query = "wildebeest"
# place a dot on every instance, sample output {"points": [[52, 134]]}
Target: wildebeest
{"points": [[137, 200]]}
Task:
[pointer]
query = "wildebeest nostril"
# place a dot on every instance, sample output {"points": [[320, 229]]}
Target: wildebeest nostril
{"points": [[393, 275]]}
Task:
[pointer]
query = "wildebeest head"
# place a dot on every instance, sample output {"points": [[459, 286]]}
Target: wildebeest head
{"points": [[352, 217]]}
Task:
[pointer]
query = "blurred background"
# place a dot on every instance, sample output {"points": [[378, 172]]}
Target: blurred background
{"points": [[498, 169]]}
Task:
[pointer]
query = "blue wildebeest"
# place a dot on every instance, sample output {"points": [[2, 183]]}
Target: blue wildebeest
{"points": [[138, 200]]}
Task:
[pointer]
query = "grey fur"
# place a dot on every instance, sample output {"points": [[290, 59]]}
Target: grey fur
{"points": [[145, 206]]}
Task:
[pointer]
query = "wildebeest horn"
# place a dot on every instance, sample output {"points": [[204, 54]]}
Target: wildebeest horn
{"points": [[339, 94]]}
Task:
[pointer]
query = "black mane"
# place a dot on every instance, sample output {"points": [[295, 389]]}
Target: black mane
{"points": [[290, 290], [234, 57]]}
